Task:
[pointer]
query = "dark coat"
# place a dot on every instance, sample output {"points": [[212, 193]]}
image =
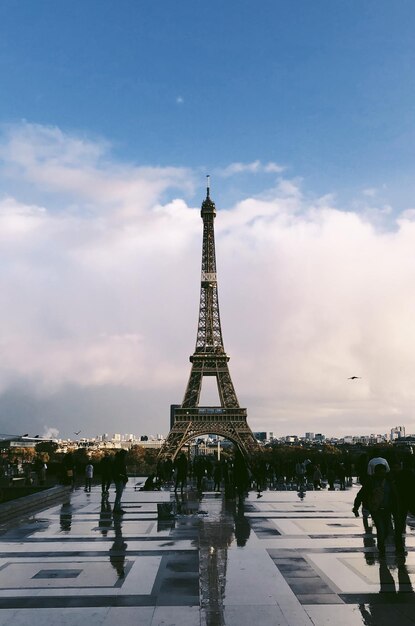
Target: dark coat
{"points": [[119, 468], [368, 495]]}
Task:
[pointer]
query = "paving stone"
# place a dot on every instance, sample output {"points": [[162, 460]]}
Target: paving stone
{"points": [[274, 561]]}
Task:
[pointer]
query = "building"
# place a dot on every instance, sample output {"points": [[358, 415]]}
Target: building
{"points": [[10, 443], [261, 436], [397, 433]]}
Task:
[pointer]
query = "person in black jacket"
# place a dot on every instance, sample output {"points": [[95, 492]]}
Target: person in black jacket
{"points": [[379, 495], [106, 473], [180, 467], [404, 480], [119, 473]]}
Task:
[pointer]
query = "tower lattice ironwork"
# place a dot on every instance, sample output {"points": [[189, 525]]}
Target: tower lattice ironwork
{"points": [[228, 420]]}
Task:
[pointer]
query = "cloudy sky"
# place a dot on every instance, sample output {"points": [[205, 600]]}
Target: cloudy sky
{"points": [[111, 115]]}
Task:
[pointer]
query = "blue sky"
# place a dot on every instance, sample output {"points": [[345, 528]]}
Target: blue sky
{"points": [[111, 114], [325, 88]]}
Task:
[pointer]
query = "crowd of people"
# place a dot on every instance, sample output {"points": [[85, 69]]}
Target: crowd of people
{"points": [[386, 496], [259, 474], [112, 469], [33, 472]]}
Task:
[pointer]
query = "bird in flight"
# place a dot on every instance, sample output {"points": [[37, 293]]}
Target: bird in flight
{"points": [[77, 432], [353, 377]]}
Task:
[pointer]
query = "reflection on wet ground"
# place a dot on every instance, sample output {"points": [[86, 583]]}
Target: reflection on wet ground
{"points": [[66, 516], [216, 532], [281, 559]]}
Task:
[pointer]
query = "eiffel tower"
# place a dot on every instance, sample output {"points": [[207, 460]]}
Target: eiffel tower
{"points": [[228, 420]]}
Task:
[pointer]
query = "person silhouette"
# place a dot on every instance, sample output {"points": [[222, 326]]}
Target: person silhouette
{"points": [[240, 475], [119, 470], [180, 467], [105, 467], [379, 495]]}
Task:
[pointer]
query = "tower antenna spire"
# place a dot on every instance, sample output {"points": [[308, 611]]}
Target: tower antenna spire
{"points": [[208, 186]]}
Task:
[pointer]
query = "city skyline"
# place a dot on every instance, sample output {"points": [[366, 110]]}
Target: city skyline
{"points": [[397, 434], [303, 117]]}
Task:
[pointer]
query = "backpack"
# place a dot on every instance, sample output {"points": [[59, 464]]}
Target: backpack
{"points": [[375, 498]]}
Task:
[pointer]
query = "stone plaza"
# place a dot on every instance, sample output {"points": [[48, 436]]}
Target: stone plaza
{"points": [[275, 560]]}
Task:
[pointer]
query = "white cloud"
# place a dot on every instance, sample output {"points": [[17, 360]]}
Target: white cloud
{"points": [[256, 167], [370, 192], [273, 168], [56, 162], [408, 214], [107, 294]]}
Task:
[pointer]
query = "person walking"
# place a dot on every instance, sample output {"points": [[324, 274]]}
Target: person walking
{"points": [[240, 475], [331, 477], [69, 470], [119, 472], [341, 475], [217, 476], [403, 478], [380, 497], [300, 474], [106, 474], [181, 472], [89, 474], [317, 476]]}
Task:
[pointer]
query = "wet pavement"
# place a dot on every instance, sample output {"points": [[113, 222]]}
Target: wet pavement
{"points": [[278, 559]]}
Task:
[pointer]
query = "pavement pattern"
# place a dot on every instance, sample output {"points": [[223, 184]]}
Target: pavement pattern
{"points": [[280, 559]]}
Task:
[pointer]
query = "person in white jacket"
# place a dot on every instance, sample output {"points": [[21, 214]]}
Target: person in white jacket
{"points": [[89, 474]]}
